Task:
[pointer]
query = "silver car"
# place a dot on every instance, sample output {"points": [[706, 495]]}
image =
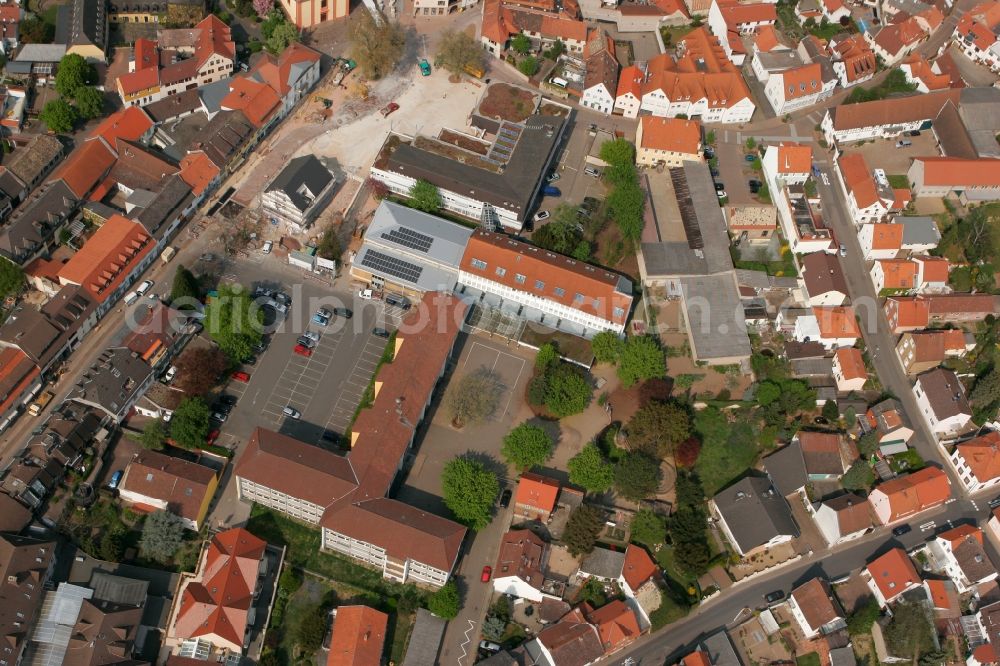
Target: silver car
{"points": [[291, 413], [312, 335]]}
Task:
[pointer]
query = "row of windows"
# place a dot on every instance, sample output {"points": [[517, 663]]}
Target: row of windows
{"points": [[539, 284]]}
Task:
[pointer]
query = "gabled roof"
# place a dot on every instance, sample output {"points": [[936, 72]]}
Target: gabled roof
{"points": [[794, 158], [960, 173], [256, 100], [639, 566], [816, 602], [198, 171], [852, 364], [108, 257], [801, 81], [822, 274], [754, 512], [616, 624], [181, 484], [522, 555], [130, 124], [572, 641], [893, 573], [537, 492], [944, 392], [911, 493], [282, 72], [670, 134], [358, 637], [933, 269], [898, 273], [302, 180], [821, 452], [982, 455], [853, 513], [887, 236], [836, 322], [86, 167], [892, 111], [858, 178]]}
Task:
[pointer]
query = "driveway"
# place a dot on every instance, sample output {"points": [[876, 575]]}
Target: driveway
{"points": [[883, 154]]}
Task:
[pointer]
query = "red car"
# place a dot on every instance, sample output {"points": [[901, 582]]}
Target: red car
{"points": [[389, 108], [302, 350], [241, 376], [487, 572], [212, 436]]}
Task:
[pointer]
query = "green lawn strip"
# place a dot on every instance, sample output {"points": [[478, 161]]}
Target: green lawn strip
{"points": [[809, 659]]}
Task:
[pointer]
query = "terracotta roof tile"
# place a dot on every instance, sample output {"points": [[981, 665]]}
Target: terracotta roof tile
{"points": [[537, 492], [616, 624], [671, 134], [911, 493], [766, 38], [852, 364], [198, 171], [858, 178], [801, 81], [181, 484], [358, 637], [108, 257], [794, 158], [639, 566], [960, 173], [887, 236], [898, 273], [256, 100], [129, 124], [816, 602], [933, 269], [892, 111], [893, 573], [86, 167], [837, 322], [982, 455]]}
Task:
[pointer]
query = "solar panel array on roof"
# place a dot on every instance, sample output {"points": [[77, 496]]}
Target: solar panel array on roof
{"points": [[383, 263], [688, 215], [409, 238]]}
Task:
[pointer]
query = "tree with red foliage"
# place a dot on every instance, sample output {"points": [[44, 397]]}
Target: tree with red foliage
{"points": [[686, 453], [657, 389], [378, 189], [198, 370]]}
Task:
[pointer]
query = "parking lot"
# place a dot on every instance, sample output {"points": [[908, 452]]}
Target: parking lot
{"points": [[883, 154]]}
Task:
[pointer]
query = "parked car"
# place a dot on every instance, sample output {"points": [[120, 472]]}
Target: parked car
{"points": [[749, 157], [212, 436], [489, 646], [267, 247], [397, 301], [592, 172], [380, 332], [131, 297], [219, 416], [241, 376], [262, 345], [901, 530], [552, 191], [772, 597], [843, 250], [505, 498], [343, 312], [425, 67], [904, 143], [302, 350], [542, 215], [709, 153], [306, 342], [487, 574], [312, 335], [291, 412], [116, 478], [553, 177], [171, 373], [366, 294], [144, 287], [229, 400], [389, 108], [913, 133], [321, 319], [720, 187]]}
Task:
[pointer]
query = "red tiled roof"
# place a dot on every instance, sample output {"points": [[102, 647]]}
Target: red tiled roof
{"points": [[921, 70], [537, 491], [630, 81], [816, 603], [766, 38], [794, 158], [836, 322], [893, 573], [671, 134], [852, 364], [17, 371], [181, 484], [198, 171], [736, 14], [912, 493], [544, 272], [86, 167], [801, 81], [256, 100], [898, 273], [982, 455], [130, 124], [10, 12], [145, 54], [698, 658], [639, 566], [131, 83], [218, 601], [275, 71], [960, 173], [933, 269], [957, 535], [940, 591], [980, 23], [108, 257], [910, 312], [358, 637], [616, 624], [887, 236], [858, 178]]}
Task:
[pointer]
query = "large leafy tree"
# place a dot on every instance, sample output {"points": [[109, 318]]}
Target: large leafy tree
{"points": [[641, 358], [470, 491], [376, 48], [153, 435], [567, 390], [526, 446], [89, 102], [74, 73], [190, 423], [185, 289], [329, 244], [590, 470], [910, 633], [607, 347], [445, 602], [521, 43], [281, 37], [858, 477], [58, 115], [561, 233], [687, 526], [658, 427], [458, 50], [648, 528], [637, 476], [234, 321], [11, 277], [199, 369], [475, 397], [34, 30], [162, 534], [425, 196], [582, 529]]}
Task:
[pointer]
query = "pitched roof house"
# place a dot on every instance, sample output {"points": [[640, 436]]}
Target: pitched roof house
{"points": [[923, 350], [843, 518], [519, 571], [358, 636], [960, 553], [890, 575], [977, 461], [754, 515], [902, 497], [536, 496], [815, 608], [942, 401], [154, 481], [824, 279], [25, 567]]}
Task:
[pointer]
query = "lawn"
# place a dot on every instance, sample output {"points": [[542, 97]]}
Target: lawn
{"points": [[784, 267], [899, 181], [808, 659], [727, 449], [908, 461]]}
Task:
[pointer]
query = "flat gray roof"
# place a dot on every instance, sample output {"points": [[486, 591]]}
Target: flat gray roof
{"points": [[919, 230], [714, 312], [425, 639]]}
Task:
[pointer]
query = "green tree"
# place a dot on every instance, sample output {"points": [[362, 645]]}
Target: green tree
{"points": [[858, 477], [868, 444], [185, 288], [642, 358], [567, 390], [850, 417], [687, 526], [986, 390], [34, 30], [520, 43], [153, 435], [376, 48], [556, 50], [547, 355], [607, 347], [528, 65], [860, 622], [58, 115], [190, 424], [112, 546], [89, 103], [283, 35], [311, 629], [475, 397], [234, 321], [582, 529], [425, 196], [589, 470], [458, 50], [561, 233], [910, 634], [445, 601], [648, 528], [470, 491], [494, 627], [72, 74], [162, 534], [329, 244], [526, 446], [658, 427], [637, 476], [11, 278], [618, 152], [830, 411]]}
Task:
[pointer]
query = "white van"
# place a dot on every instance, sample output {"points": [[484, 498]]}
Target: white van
{"points": [[131, 297]]}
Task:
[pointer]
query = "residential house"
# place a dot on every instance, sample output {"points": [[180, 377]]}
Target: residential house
{"points": [[976, 34], [843, 518], [667, 142], [32, 162], [974, 180], [831, 10], [26, 565], [977, 461], [700, 82], [854, 62], [291, 74], [114, 383], [358, 637], [798, 87], [885, 118], [751, 223], [888, 419], [869, 197], [730, 19], [617, 625], [297, 194], [601, 80], [520, 568], [82, 26], [815, 609], [824, 279], [787, 167], [932, 274], [942, 401], [155, 481], [960, 553], [536, 497], [903, 34], [570, 641], [988, 619], [849, 370], [11, 15], [218, 603], [753, 515], [929, 76], [894, 275], [565, 294], [909, 313], [810, 456], [890, 575], [909, 494], [543, 22], [833, 327], [923, 350], [881, 240], [638, 580], [602, 564]]}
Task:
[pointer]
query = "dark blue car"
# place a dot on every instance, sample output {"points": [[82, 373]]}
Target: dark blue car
{"points": [[551, 191]]}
